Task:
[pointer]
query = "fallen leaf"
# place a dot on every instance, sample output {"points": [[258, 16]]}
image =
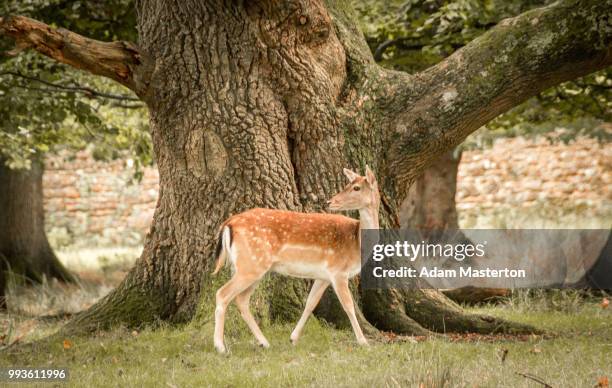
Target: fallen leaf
{"points": [[135, 333], [114, 360], [164, 360], [602, 382], [67, 344], [605, 303], [536, 350]]}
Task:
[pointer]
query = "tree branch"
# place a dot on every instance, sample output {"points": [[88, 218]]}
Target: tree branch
{"points": [[120, 61], [89, 92], [437, 109]]}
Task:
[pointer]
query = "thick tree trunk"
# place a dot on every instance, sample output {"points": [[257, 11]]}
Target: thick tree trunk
{"points": [[263, 103], [239, 119], [24, 249]]}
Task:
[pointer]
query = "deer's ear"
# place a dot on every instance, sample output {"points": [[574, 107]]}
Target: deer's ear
{"points": [[350, 175], [370, 177]]}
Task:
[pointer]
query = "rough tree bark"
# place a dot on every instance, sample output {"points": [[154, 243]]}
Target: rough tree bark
{"points": [[24, 249], [263, 103]]}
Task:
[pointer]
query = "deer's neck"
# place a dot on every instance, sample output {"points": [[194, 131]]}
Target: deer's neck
{"points": [[368, 218]]}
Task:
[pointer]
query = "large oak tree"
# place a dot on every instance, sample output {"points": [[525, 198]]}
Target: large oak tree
{"points": [[262, 103]]}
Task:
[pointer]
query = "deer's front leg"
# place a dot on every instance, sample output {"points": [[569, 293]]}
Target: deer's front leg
{"points": [[316, 292], [341, 287]]}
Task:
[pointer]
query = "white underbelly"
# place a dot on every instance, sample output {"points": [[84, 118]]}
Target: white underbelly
{"points": [[302, 270]]}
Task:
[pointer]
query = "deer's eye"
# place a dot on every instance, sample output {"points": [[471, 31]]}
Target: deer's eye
{"points": [[356, 188]]}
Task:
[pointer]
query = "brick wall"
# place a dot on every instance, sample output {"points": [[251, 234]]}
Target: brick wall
{"points": [[97, 203], [89, 202], [533, 183], [520, 172]]}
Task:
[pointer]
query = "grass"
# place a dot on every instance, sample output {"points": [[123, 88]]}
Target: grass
{"points": [[577, 355], [99, 270]]}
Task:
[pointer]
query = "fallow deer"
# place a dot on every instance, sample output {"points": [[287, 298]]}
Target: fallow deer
{"points": [[323, 247]]}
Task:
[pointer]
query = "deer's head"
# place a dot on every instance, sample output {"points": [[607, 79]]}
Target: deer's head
{"points": [[360, 193]]}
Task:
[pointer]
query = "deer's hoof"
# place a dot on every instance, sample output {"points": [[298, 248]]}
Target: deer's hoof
{"points": [[293, 339], [220, 348]]}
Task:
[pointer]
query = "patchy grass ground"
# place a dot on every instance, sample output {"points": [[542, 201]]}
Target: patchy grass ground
{"points": [[578, 355]]}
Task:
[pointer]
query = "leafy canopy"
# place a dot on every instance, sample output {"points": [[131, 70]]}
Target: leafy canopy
{"points": [[46, 106]]}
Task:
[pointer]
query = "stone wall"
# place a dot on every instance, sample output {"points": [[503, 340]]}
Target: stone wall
{"points": [[89, 202], [515, 183], [533, 183]]}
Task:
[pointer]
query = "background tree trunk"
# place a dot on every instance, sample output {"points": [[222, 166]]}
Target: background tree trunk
{"points": [[24, 249], [430, 202]]}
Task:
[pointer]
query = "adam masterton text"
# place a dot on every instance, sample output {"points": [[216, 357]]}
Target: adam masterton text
{"points": [[435, 272]]}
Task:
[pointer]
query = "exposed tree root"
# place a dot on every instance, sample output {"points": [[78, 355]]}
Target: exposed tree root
{"points": [[474, 295], [386, 311], [434, 311], [128, 306]]}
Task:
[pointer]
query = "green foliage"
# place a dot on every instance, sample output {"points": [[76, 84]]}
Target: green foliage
{"points": [[411, 35], [431, 29], [103, 20], [46, 106], [579, 105]]}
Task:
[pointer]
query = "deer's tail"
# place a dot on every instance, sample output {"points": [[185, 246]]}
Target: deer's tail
{"points": [[224, 243]]}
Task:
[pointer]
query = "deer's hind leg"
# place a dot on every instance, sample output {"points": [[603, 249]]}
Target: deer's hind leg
{"points": [[242, 301], [235, 286]]}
